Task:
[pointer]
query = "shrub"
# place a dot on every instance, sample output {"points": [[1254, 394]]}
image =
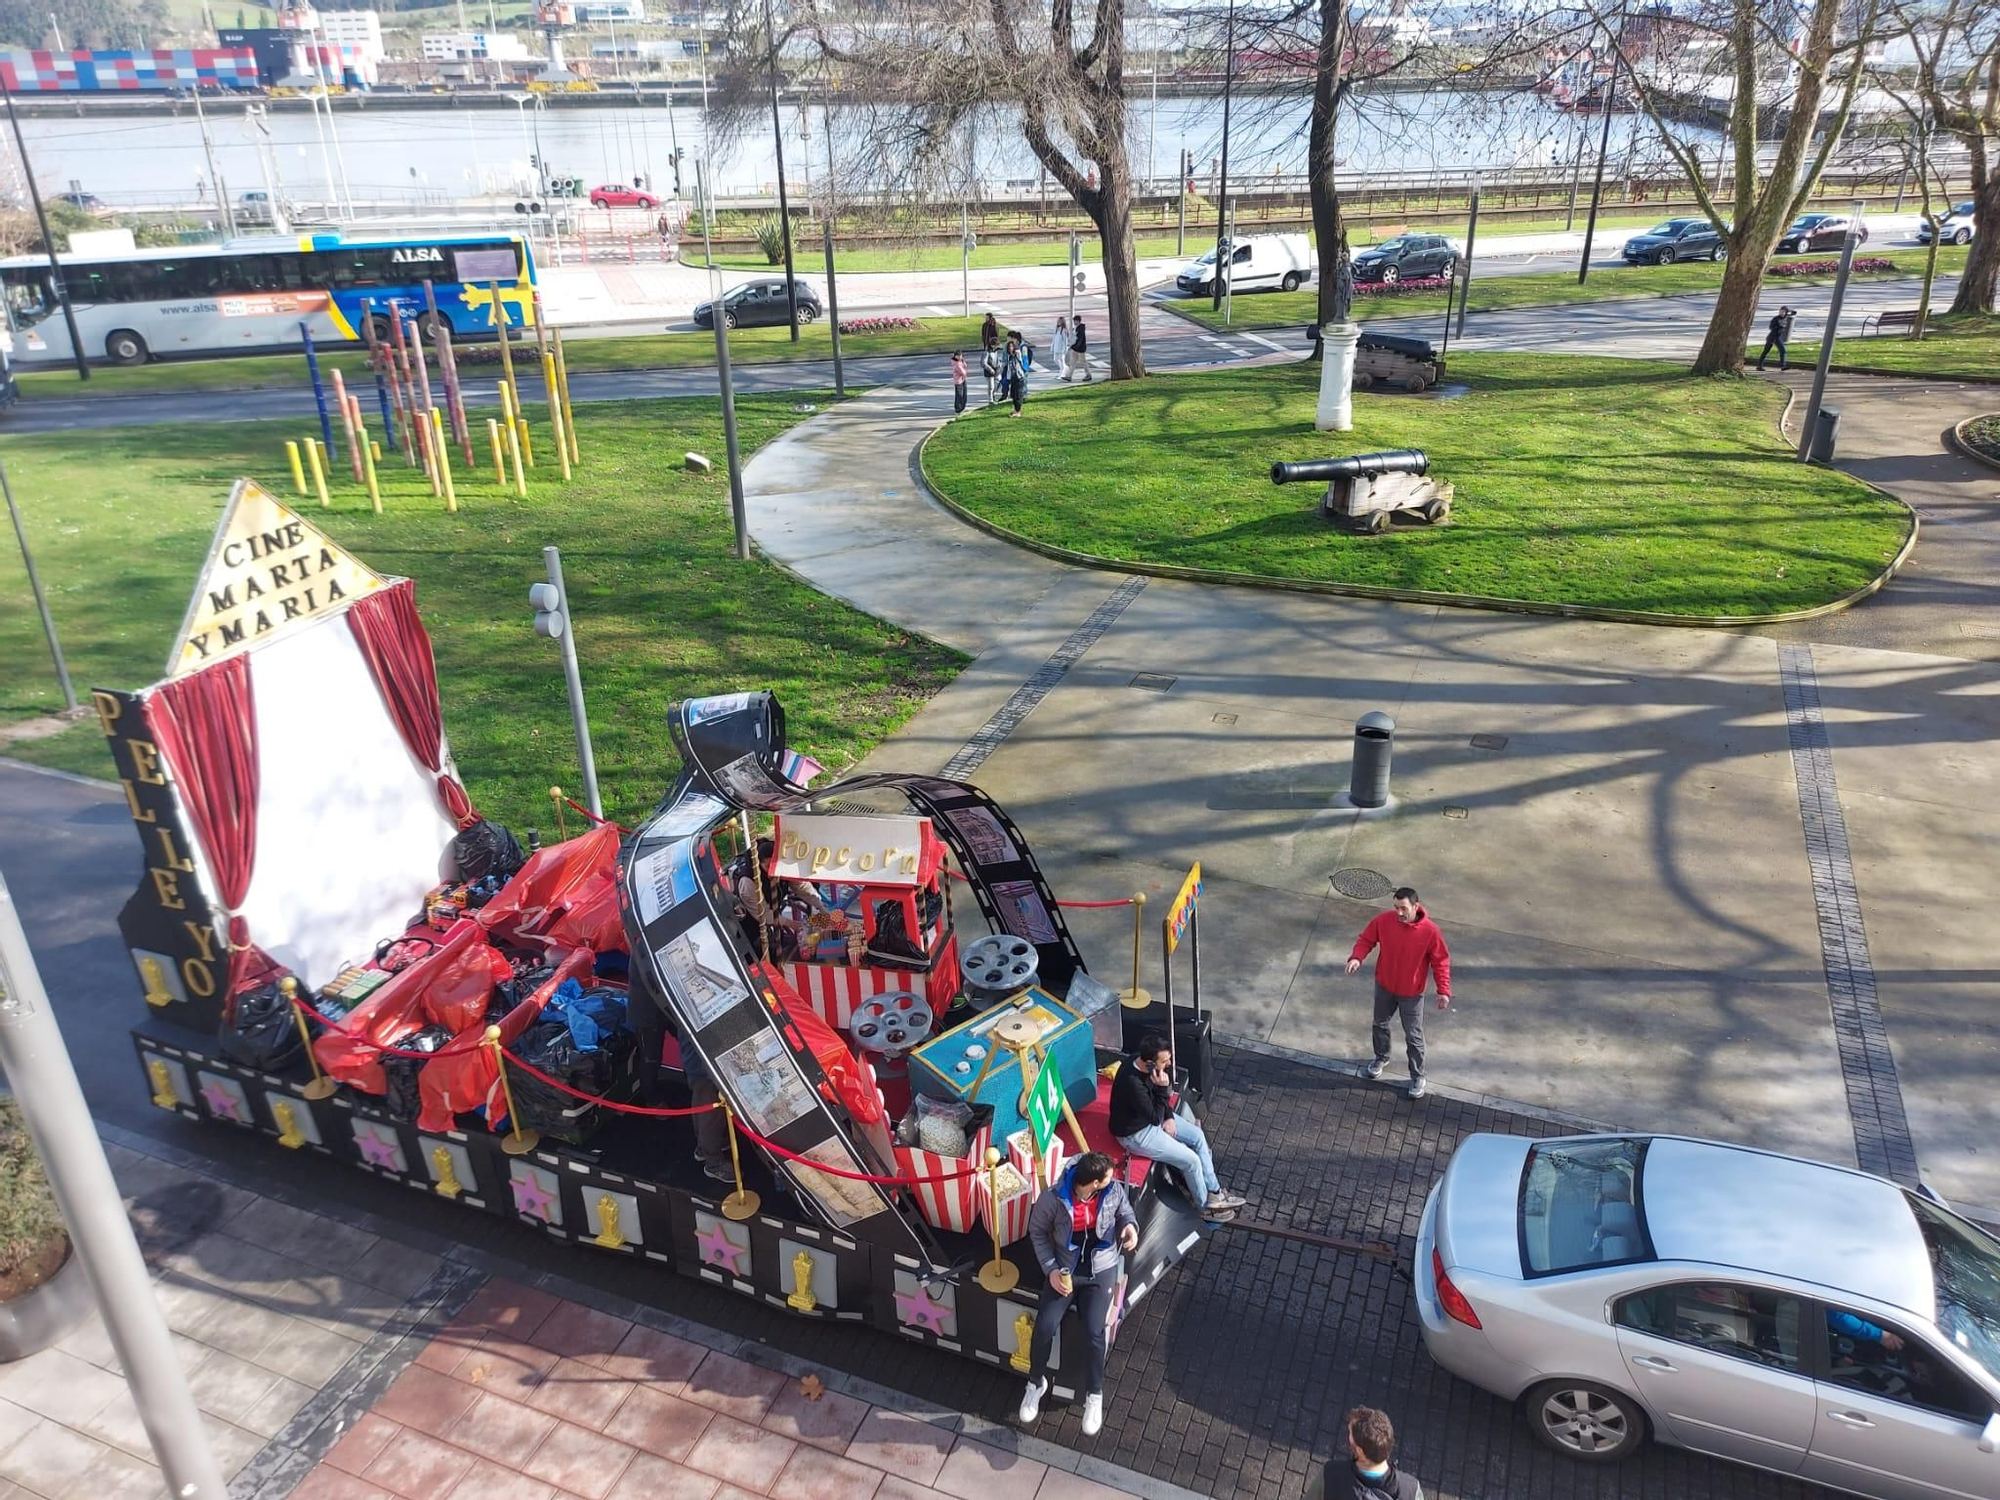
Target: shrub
{"points": [[877, 325], [1863, 265], [771, 234], [1407, 288], [32, 1238]]}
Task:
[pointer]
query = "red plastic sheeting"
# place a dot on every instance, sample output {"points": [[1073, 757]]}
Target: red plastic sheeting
{"points": [[565, 896], [462, 1078], [450, 988], [851, 1079]]}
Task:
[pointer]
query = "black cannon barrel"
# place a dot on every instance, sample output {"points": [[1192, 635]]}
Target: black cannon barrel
{"points": [[1354, 466]]}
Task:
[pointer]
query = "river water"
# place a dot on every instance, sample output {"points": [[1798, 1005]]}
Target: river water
{"points": [[429, 154]]}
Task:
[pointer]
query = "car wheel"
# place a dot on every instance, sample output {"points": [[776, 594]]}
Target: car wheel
{"points": [[1580, 1419], [1665, 257], [1290, 282], [1861, 235], [1390, 276], [125, 347], [1963, 237], [729, 320], [1719, 254], [1449, 270], [600, 203], [807, 312]]}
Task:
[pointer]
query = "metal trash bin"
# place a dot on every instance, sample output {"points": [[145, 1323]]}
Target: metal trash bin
{"points": [[1826, 429], [1374, 738]]}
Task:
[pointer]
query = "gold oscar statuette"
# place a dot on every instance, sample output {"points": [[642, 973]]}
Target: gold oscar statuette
{"points": [[1024, 1339], [287, 1115], [608, 1237], [154, 974], [802, 1299], [163, 1084], [447, 1184]]}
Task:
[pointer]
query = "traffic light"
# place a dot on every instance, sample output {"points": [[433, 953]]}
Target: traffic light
{"points": [[1079, 281], [551, 616]]}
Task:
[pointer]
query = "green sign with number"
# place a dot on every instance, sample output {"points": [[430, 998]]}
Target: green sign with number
{"points": [[1045, 1105]]}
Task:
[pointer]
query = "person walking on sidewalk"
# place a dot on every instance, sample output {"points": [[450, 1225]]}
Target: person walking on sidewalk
{"points": [[1146, 1118], [989, 364], [1017, 371], [1059, 345], [1413, 951], [1080, 1230], [1780, 334], [958, 382], [1079, 352], [1367, 1470], [989, 333]]}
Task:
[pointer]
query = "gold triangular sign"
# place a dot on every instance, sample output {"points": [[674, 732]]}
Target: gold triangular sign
{"points": [[269, 571]]}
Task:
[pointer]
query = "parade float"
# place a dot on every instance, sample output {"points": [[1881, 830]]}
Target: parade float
{"points": [[338, 953]]}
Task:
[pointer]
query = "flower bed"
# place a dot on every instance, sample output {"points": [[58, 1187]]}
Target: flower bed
{"points": [[879, 325], [1865, 264], [1982, 435], [1410, 288]]}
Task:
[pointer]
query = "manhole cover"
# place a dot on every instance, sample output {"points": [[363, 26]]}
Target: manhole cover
{"points": [[1225, 718], [1489, 742], [1452, 810], [1362, 885], [1153, 682]]}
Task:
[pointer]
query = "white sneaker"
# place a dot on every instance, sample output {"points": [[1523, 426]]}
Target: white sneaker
{"points": [[1031, 1401], [1093, 1415], [1418, 1088]]}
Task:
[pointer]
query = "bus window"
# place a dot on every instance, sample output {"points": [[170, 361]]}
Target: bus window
{"points": [[485, 263], [29, 299], [340, 270]]}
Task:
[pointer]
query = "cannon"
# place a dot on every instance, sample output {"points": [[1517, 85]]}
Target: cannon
{"points": [[1392, 359], [1364, 490]]}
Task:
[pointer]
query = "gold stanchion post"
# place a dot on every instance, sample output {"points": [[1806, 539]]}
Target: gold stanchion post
{"points": [[321, 1087], [1138, 997], [556, 801], [517, 1142], [999, 1275], [742, 1203]]}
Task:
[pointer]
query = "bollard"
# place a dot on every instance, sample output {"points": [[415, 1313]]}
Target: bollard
{"points": [[499, 452], [1374, 737], [527, 443], [298, 466], [314, 463]]}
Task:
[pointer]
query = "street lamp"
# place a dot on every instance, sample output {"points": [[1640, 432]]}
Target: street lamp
{"points": [[778, 144], [533, 149], [719, 319], [1222, 203]]}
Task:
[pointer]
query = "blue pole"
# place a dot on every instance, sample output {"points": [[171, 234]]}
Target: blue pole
{"points": [[376, 363], [319, 392]]}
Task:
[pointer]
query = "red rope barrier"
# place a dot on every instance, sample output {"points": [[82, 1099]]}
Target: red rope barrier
{"points": [[450, 1048], [612, 1104], [776, 1150], [594, 817]]}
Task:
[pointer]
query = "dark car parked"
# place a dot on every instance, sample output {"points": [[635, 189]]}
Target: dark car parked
{"points": [[1676, 239], [758, 304], [88, 202], [1819, 232], [1408, 257]]}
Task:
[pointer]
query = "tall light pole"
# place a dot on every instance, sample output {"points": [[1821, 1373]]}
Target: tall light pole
{"points": [[1222, 204], [784, 205], [331, 129], [1603, 151], [59, 286], [1826, 339]]}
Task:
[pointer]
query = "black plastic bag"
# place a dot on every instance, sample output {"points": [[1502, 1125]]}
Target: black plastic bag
{"points": [[486, 848], [259, 1031], [402, 1098], [603, 1072]]}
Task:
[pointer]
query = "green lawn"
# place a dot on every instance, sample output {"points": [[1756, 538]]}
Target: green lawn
{"points": [[1497, 293], [1610, 482], [1951, 348], [662, 608], [637, 352]]}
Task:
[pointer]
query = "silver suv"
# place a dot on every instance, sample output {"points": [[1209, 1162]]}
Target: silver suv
{"points": [[1808, 1319]]}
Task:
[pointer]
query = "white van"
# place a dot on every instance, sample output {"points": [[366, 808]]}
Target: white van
{"points": [[1257, 262]]}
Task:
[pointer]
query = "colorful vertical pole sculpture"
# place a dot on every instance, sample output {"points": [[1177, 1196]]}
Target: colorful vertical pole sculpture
{"points": [[319, 387]]}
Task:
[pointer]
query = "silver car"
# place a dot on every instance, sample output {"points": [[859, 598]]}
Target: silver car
{"points": [[1808, 1319]]}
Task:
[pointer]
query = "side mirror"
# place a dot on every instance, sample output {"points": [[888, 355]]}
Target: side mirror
{"points": [[1989, 1440]]}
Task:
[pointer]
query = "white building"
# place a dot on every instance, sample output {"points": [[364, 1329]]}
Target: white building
{"points": [[353, 28], [458, 46], [611, 10]]}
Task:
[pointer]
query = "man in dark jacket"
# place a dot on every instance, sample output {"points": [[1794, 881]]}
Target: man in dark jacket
{"points": [[1780, 334], [1367, 1470], [1080, 1230], [1412, 950], [1149, 1121], [1079, 352]]}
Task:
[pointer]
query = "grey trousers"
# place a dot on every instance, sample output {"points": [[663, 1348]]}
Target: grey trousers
{"points": [[1412, 1012]]}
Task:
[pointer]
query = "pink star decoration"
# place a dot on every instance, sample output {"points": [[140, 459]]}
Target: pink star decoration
{"points": [[377, 1151], [222, 1101], [918, 1307], [530, 1197], [717, 1249]]}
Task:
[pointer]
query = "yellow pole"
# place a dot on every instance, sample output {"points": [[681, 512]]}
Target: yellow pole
{"points": [[442, 454], [507, 413], [318, 470], [742, 1203], [499, 452], [321, 1087], [527, 441], [376, 449], [298, 469], [999, 1275], [562, 379], [1136, 998], [369, 456], [506, 344], [555, 412], [514, 452], [519, 1142]]}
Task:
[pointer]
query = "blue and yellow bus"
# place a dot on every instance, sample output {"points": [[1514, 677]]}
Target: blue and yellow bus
{"points": [[250, 295]]}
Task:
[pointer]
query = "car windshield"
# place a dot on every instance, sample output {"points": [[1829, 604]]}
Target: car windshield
{"points": [[1808, 220], [1390, 247], [1581, 1206], [1964, 210], [1966, 1267], [1670, 227]]}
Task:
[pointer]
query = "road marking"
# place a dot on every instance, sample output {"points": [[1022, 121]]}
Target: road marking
{"points": [[1270, 343], [937, 312]]}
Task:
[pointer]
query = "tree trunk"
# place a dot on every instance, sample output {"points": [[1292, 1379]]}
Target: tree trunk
{"points": [[1321, 159], [1978, 286], [1122, 347], [1735, 312]]}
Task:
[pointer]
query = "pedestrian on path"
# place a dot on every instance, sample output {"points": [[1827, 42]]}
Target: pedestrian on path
{"points": [[989, 333], [958, 382], [1080, 1229], [1780, 334], [1059, 345], [1017, 371], [1413, 951], [1367, 1470], [989, 362], [1148, 1119], [1079, 352]]}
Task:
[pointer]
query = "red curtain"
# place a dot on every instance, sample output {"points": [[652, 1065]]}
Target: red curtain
{"points": [[398, 649], [206, 731]]}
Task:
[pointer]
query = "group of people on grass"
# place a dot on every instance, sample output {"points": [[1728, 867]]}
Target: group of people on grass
{"points": [[1006, 361]]}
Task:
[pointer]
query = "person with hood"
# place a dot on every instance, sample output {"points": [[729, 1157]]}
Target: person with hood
{"points": [[1413, 951], [989, 333], [1779, 335], [1367, 1470], [1080, 1230]]}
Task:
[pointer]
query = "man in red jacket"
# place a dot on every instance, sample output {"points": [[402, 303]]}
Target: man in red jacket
{"points": [[1412, 949]]}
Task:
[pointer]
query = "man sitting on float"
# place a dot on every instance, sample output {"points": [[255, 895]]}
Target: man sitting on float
{"points": [[1148, 1119]]}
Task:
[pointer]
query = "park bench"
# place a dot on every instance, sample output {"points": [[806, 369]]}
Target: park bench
{"points": [[1883, 322]]}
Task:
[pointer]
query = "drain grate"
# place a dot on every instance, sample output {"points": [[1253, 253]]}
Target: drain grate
{"points": [[1153, 682], [1358, 884], [1489, 742], [1453, 810], [1225, 719]]}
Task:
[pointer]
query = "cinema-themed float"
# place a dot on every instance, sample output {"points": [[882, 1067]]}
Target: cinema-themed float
{"points": [[337, 952]]}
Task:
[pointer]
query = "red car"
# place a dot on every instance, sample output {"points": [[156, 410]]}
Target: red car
{"points": [[617, 195]]}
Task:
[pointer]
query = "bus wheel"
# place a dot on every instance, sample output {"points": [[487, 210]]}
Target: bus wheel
{"points": [[428, 325], [383, 332], [125, 347]]}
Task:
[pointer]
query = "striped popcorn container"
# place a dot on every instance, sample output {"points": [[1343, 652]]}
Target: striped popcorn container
{"points": [[1021, 1157], [1006, 1212], [835, 990], [952, 1205]]}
